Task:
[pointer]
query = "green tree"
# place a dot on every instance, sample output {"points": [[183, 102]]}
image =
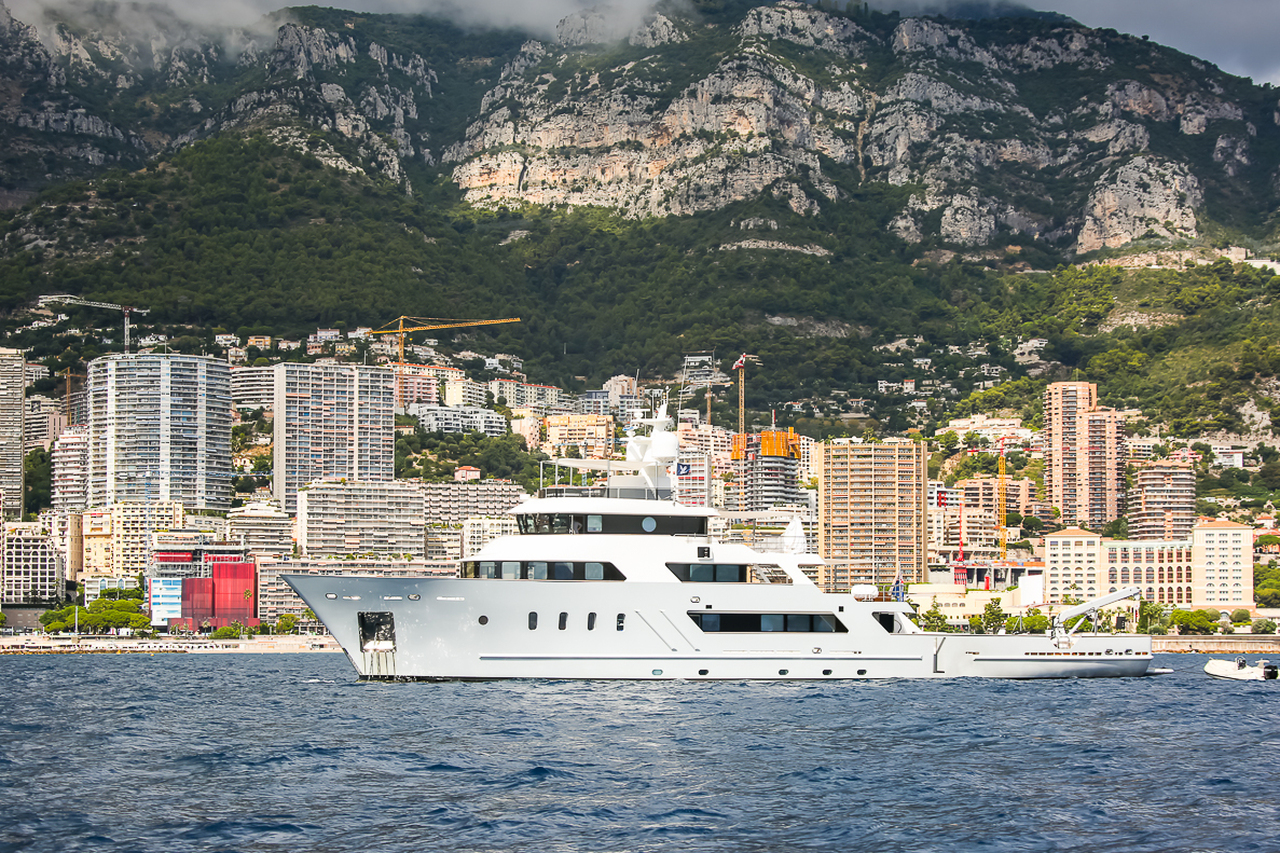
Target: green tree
{"points": [[993, 617], [933, 620], [1193, 622], [1264, 626]]}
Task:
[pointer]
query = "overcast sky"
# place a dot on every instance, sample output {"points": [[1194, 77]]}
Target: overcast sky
{"points": [[1240, 36]]}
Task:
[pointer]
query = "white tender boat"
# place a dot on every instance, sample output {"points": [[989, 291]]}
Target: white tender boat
{"points": [[1240, 670], [632, 586]]}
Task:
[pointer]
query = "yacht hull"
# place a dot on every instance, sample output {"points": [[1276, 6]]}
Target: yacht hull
{"points": [[442, 629]]}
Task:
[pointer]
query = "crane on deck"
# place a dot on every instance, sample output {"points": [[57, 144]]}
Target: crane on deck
{"points": [[67, 299], [424, 324]]}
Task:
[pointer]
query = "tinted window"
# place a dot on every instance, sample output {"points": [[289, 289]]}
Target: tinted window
{"points": [[537, 571], [564, 621], [591, 621], [533, 621], [772, 621]]}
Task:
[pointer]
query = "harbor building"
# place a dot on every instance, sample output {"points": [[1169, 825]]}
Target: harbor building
{"points": [[872, 511], [1162, 502], [13, 386], [331, 421], [1085, 455], [160, 430], [361, 517]]}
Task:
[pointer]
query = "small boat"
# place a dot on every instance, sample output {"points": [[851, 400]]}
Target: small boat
{"points": [[1239, 670]]}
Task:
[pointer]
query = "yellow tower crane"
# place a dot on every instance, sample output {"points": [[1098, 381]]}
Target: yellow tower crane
{"points": [[423, 324], [66, 399]]}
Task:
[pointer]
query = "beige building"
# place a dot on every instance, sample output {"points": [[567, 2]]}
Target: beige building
{"points": [[872, 512], [1162, 503], [1085, 455], [591, 434], [116, 539], [1212, 567], [262, 526]]}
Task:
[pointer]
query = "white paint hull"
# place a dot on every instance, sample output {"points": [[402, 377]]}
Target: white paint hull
{"points": [[441, 635]]}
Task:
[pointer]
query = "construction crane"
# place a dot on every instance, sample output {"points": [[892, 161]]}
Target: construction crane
{"points": [[67, 299], [741, 366], [66, 372], [423, 324]]}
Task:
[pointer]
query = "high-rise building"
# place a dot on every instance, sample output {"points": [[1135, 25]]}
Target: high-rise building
{"points": [[452, 503], [767, 463], [160, 430], [1162, 502], [70, 472], [1085, 455], [13, 386], [117, 540], [331, 421], [871, 510]]}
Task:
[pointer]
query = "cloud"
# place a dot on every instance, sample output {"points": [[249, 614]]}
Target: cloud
{"points": [[538, 17]]}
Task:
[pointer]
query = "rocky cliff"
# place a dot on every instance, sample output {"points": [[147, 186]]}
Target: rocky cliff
{"points": [[1003, 129]]}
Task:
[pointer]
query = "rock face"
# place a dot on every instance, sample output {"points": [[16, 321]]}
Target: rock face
{"points": [[990, 129]]}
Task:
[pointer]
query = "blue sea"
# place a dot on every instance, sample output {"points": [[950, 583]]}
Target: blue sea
{"points": [[291, 753]]}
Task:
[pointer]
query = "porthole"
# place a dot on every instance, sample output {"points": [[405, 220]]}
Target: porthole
{"points": [[826, 672], [783, 671], [413, 596], [483, 620], [330, 595], [704, 672], [648, 525], [862, 672], [657, 672]]}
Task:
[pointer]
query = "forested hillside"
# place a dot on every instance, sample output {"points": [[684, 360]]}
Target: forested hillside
{"points": [[312, 188]]}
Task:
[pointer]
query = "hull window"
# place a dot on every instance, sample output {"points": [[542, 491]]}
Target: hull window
{"points": [[377, 631], [591, 621], [622, 621], [564, 621], [753, 623], [533, 621]]}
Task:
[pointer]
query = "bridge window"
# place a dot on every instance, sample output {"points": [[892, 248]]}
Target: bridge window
{"points": [[709, 572], [660, 525], [753, 623], [539, 570]]}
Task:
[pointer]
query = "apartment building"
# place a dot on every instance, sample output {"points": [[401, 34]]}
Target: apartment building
{"points": [[453, 503], [331, 421], [479, 531], [160, 430], [1085, 455], [13, 386], [69, 463], [592, 435], [872, 511], [262, 527], [1162, 502], [459, 419], [339, 517], [253, 388], [31, 570], [1211, 567], [117, 539]]}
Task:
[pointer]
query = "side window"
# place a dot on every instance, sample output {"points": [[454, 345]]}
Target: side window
{"points": [[595, 523], [533, 621], [622, 620], [537, 571], [591, 621], [564, 621]]}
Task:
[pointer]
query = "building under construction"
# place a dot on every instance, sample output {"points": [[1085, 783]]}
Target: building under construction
{"points": [[767, 465]]}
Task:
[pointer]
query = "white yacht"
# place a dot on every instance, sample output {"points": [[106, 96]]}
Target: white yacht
{"points": [[627, 584]]}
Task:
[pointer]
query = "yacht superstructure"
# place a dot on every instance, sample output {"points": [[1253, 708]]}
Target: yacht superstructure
{"points": [[630, 585]]}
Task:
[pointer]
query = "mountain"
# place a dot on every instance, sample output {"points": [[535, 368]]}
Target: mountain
{"points": [[792, 180]]}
